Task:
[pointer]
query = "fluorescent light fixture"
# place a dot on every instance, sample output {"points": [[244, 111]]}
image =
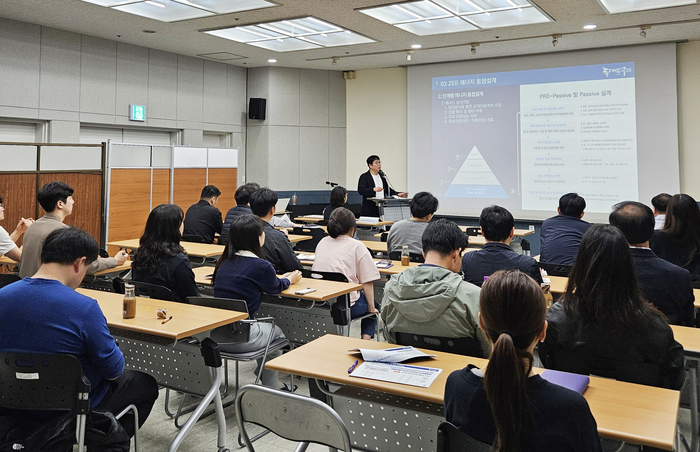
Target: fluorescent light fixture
{"points": [[173, 10], [627, 6], [272, 60], [429, 17], [160, 5], [291, 34], [416, 46], [590, 27]]}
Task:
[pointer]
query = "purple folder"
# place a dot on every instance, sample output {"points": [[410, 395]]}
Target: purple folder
{"points": [[575, 382]]}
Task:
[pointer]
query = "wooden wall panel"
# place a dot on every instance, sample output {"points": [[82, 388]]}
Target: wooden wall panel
{"points": [[87, 211], [188, 185], [19, 194], [129, 203], [225, 180], [161, 187]]}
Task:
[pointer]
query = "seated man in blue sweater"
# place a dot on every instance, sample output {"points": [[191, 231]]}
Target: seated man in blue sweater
{"points": [[44, 314], [497, 227]]}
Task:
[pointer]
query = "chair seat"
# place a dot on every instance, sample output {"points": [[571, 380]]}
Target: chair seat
{"points": [[275, 345]]}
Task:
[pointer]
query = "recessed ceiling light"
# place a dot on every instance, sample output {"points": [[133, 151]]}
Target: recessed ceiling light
{"points": [[590, 27], [416, 46], [159, 5], [272, 60]]}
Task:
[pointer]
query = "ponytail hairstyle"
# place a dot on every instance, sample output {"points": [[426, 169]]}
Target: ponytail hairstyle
{"points": [[513, 313], [341, 222]]}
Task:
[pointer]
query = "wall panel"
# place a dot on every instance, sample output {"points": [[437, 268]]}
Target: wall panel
{"points": [[19, 196], [188, 185], [225, 180], [129, 203], [161, 187]]}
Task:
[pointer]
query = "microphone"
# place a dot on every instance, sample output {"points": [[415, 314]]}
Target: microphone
{"points": [[381, 173], [332, 184]]}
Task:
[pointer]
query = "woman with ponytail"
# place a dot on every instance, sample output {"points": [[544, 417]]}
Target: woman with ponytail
{"points": [[341, 253], [506, 404]]}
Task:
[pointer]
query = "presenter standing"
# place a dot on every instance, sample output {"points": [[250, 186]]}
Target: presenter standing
{"points": [[374, 184]]}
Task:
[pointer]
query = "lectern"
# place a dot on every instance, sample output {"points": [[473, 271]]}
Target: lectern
{"points": [[393, 209]]}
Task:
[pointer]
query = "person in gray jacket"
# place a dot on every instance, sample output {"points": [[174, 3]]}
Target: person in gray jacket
{"points": [[432, 298]]}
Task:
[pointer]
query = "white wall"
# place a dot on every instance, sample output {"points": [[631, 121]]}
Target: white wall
{"points": [[688, 58], [376, 123]]}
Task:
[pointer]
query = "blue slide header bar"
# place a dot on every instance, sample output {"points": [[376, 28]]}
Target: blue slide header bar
{"points": [[537, 76]]}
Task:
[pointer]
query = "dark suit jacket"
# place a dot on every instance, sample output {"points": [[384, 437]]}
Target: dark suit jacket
{"points": [[496, 256], [202, 221], [666, 286], [365, 186], [677, 253], [278, 251]]}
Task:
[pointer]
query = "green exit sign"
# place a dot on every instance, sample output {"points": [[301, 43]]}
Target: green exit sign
{"points": [[137, 112]]}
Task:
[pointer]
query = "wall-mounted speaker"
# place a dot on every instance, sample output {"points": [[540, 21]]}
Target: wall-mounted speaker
{"points": [[256, 108]]}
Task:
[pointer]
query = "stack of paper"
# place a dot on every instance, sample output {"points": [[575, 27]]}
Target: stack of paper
{"points": [[383, 365]]}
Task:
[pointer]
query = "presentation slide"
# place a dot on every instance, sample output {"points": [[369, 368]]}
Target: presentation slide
{"points": [[523, 138]]}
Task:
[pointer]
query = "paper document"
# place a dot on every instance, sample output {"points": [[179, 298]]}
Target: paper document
{"points": [[306, 256], [397, 373], [373, 220], [314, 216], [391, 355]]}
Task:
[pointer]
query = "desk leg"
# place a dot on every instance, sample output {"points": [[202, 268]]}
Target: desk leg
{"points": [[214, 395], [694, 424]]}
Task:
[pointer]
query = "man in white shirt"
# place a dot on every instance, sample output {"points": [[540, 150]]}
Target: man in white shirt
{"points": [[373, 184], [8, 247]]}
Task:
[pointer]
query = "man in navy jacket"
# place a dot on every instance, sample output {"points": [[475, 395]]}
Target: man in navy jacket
{"points": [[561, 235]]}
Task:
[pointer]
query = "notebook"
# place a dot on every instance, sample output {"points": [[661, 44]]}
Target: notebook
{"points": [[575, 382]]}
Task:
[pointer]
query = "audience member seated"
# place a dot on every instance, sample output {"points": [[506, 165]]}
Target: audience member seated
{"points": [[497, 227], [242, 198], [560, 235], [506, 404], [56, 198], [431, 298], [409, 232], [8, 247], [341, 253], [44, 314], [160, 259], [660, 204], [243, 274], [666, 286], [339, 197], [203, 220], [679, 241], [277, 248], [604, 326]]}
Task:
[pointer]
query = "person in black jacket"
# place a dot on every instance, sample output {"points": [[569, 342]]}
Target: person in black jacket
{"points": [[242, 197], [373, 184], [203, 220], [339, 196], [604, 326], [665, 285]]}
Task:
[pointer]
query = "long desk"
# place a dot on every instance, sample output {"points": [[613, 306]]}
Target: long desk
{"points": [[689, 338], [151, 345], [391, 416], [393, 270], [192, 249], [359, 223]]}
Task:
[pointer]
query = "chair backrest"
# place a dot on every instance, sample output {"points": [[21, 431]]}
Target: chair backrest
{"points": [[473, 231], [308, 245], [291, 416], [236, 331], [452, 439], [458, 345], [555, 269], [43, 382], [149, 290], [384, 237], [340, 310], [413, 257], [8, 278], [330, 276]]}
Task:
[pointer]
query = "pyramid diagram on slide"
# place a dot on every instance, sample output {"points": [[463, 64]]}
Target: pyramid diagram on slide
{"points": [[475, 179]]}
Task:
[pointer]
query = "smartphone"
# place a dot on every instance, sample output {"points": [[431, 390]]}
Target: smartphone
{"points": [[305, 291]]}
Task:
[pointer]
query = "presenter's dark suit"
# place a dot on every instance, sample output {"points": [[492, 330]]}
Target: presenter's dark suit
{"points": [[496, 256], [365, 186], [666, 286]]}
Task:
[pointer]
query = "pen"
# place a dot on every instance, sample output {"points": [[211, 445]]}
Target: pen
{"points": [[167, 320], [351, 368]]}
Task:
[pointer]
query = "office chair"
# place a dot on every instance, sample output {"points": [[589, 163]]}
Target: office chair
{"points": [[467, 346], [291, 416], [149, 290], [555, 269], [308, 246], [413, 257], [452, 439], [50, 382]]}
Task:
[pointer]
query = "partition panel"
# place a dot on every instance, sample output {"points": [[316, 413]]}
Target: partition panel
{"points": [[161, 187], [187, 186], [87, 211], [19, 196], [129, 203], [226, 180]]}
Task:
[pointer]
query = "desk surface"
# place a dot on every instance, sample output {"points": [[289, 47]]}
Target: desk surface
{"points": [[193, 249], [473, 240], [187, 319], [359, 223], [559, 286], [6, 260], [516, 232], [298, 238], [325, 290], [375, 246], [393, 270], [688, 337], [623, 411], [125, 266]]}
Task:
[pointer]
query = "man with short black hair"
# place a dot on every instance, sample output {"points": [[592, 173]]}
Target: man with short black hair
{"points": [[561, 235], [373, 184], [242, 197], [277, 248], [660, 203], [56, 198], [666, 286], [431, 298], [44, 314], [497, 227], [409, 232], [203, 220]]}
